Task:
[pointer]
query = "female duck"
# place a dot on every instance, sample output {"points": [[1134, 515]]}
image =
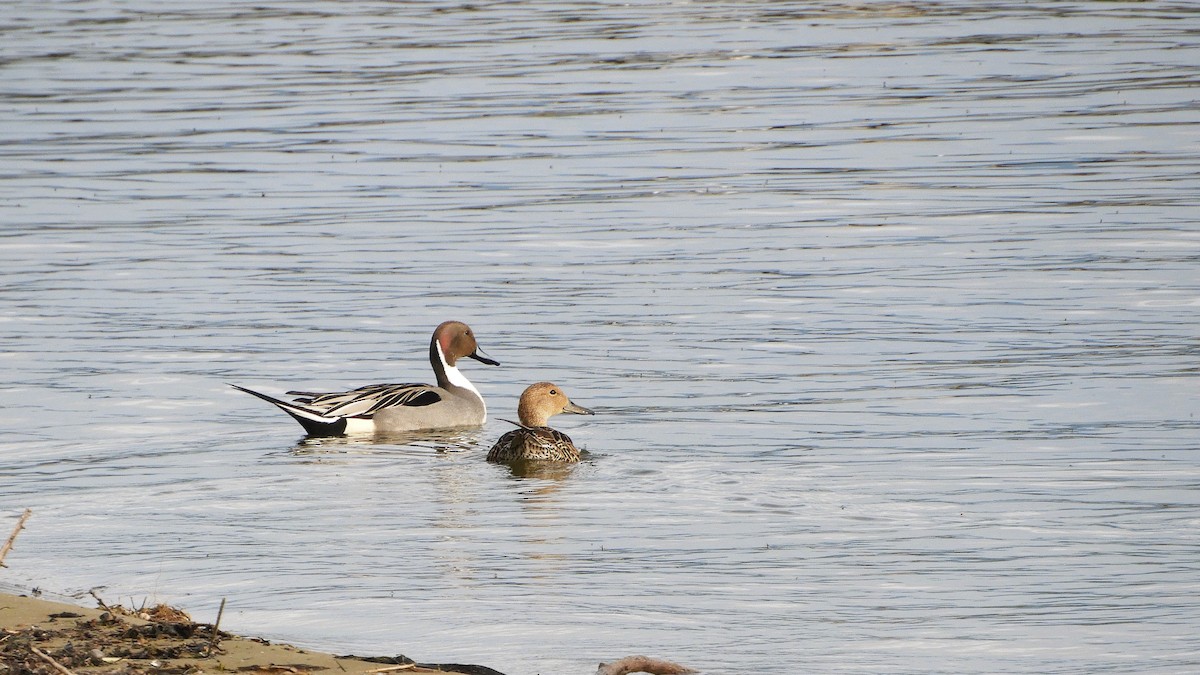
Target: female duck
{"points": [[534, 440]]}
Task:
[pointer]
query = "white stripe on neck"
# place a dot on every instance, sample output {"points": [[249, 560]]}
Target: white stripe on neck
{"points": [[456, 378]]}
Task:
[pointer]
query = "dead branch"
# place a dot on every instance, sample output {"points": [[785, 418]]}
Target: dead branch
{"points": [[100, 602], [49, 659], [642, 664], [13, 537], [216, 630]]}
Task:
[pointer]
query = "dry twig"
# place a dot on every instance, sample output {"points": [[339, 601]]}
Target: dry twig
{"points": [[216, 629], [392, 669], [642, 664], [49, 659], [100, 602], [13, 537]]}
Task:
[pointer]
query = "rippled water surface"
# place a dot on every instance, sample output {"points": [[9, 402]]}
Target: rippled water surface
{"points": [[888, 312]]}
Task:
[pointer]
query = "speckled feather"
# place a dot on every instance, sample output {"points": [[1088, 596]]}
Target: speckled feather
{"points": [[535, 443]]}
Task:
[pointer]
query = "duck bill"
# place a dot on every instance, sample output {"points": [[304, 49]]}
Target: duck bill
{"points": [[577, 409], [483, 358]]}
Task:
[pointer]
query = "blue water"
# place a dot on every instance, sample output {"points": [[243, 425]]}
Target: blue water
{"points": [[888, 313]]}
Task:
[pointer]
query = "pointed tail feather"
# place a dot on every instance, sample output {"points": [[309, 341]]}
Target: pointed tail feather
{"points": [[314, 423]]}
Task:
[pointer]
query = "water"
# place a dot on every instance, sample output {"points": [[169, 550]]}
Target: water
{"points": [[888, 312]]}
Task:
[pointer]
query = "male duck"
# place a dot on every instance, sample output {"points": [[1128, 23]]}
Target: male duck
{"points": [[386, 408], [534, 440]]}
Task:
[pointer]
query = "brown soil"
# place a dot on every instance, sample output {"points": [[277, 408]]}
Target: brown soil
{"points": [[39, 637]]}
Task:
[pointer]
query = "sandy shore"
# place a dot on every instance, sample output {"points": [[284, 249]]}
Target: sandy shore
{"points": [[43, 637]]}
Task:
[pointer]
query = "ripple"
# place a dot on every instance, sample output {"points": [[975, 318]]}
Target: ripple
{"points": [[883, 308]]}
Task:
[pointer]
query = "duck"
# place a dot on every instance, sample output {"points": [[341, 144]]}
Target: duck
{"points": [[388, 408], [533, 440]]}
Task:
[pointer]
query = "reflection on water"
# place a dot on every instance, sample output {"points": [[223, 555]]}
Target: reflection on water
{"points": [[889, 308], [552, 472], [456, 440]]}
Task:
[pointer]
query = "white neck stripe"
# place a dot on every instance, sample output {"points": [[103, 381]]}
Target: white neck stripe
{"points": [[453, 376]]}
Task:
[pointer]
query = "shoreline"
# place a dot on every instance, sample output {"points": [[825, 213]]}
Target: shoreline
{"points": [[52, 637]]}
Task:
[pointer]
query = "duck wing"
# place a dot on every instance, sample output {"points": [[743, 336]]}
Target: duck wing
{"points": [[508, 447], [366, 401], [555, 445], [534, 443]]}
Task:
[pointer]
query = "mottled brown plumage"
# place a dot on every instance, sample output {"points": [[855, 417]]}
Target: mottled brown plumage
{"points": [[534, 440]]}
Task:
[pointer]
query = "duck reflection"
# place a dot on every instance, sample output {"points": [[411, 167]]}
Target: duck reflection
{"points": [[450, 441]]}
